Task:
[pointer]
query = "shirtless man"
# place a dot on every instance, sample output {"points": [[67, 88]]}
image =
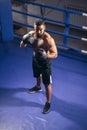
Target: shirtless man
{"points": [[45, 50]]}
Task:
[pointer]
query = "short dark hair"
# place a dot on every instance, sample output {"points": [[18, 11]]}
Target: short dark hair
{"points": [[39, 22]]}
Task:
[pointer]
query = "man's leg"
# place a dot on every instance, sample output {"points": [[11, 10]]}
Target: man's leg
{"points": [[37, 74], [37, 87], [48, 92], [48, 99], [47, 80], [38, 81]]}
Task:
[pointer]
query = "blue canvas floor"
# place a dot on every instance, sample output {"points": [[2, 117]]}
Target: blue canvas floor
{"points": [[20, 110]]}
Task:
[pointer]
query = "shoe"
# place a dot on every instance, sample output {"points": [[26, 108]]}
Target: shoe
{"points": [[46, 108], [34, 89]]}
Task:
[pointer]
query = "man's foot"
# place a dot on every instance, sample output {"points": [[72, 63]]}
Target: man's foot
{"points": [[46, 108], [35, 89]]}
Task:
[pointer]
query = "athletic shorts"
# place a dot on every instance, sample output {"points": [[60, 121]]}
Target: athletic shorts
{"points": [[43, 69]]}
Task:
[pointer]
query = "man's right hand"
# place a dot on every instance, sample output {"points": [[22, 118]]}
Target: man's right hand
{"points": [[22, 44]]}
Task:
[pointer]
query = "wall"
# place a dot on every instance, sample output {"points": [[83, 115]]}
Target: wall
{"points": [[59, 16], [49, 12]]}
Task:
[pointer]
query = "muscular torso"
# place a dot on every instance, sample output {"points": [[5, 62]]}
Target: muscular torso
{"points": [[41, 43]]}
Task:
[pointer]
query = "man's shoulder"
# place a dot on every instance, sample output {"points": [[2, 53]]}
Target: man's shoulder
{"points": [[47, 35]]}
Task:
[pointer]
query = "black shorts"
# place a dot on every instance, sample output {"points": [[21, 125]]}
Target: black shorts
{"points": [[41, 68]]}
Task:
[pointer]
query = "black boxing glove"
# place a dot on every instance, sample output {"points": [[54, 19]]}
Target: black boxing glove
{"points": [[41, 55]]}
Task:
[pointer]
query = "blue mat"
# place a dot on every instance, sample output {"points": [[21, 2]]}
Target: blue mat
{"points": [[20, 110]]}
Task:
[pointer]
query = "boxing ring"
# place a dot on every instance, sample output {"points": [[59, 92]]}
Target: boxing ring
{"points": [[20, 110]]}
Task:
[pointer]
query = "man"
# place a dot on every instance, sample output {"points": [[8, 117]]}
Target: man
{"points": [[44, 49]]}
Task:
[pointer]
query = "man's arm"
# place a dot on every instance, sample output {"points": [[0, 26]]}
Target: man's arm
{"points": [[53, 51], [23, 42]]}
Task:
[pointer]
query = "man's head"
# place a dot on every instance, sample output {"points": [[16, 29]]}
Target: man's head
{"points": [[39, 27]]}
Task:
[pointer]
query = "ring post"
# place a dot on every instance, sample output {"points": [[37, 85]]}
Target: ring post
{"points": [[6, 21], [66, 31]]}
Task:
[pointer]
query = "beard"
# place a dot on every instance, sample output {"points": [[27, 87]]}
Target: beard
{"points": [[40, 35]]}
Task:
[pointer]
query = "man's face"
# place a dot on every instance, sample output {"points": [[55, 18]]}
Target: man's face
{"points": [[39, 30]]}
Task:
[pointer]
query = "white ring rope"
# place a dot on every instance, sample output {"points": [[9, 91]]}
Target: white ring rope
{"points": [[84, 39], [84, 14], [84, 27]]}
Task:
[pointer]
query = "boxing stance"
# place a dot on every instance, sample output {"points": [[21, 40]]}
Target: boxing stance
{"points": [[44, 50]]}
